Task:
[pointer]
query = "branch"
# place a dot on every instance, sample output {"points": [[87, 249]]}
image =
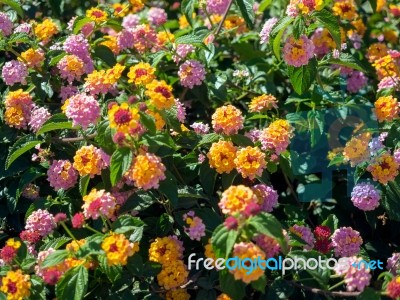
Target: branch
{"points": [[223, 18], [323, 292], [76, 139]]}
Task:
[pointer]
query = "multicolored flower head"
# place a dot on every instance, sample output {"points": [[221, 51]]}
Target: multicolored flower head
{"points": [[266, 195], [32, 58], [247, 251], [160, 94], [71, 68], [89, 160], [141, 73], [13, 72], [305, 234], [99, 203], [297, 53], [222, 156], [276, 136], [346, 242], [227, 119], [61, 175], [393, 288], [267, 244], [365, 196], [118, 248], [393, 263], [386, 108], [236, 198], [6, 25], [84, 110], [263, 103], [383, 168], [46, 30], [356, 150], [39, 116], [173, 275], [97, 15], [196, 229], [147, 171], [19, 107], [191, 73], [250, 162], [16, 285], [41, 221], [124, 119], [166, 249]]}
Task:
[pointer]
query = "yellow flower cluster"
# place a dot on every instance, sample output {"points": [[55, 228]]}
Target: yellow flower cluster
{"points": [[46, 30], [376, 51], [97, 15], [18, 108], [223, 296], [356, 150], [32, 58], [123, 118], [160, 94], [247, 251], [236, 198], [221, 156], [178, 294], [234, 22], [165, 37], [386, 108], [137, 5], [384, 168], [147, 171], [386, 67], [13, 243], [111, 42], [74, 246], [88, 161], [263, 103], [345, 9], [142, 73], [118, 248], [103, 80], [227, 119], [16, 285], [250, 162], [277, 136], [209, 251], [169, 252]]}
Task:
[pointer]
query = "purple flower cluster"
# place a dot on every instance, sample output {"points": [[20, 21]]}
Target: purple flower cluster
{"points": [[14, 72], [267, 196], [217, 6], [346, 241], [191, 73], [6, 26], [38, 117], [83, 110], [305, 234], [200, 128], [157, 16], [41, 222], [365, 196], [79, 46], [266, 30]]}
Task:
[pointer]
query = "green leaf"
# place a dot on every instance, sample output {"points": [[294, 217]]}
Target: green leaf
{"points": [[209, 138], [57, 121], [276, 35], [21, 146], [79, 23], [15, 6], [148, 122], [187, 8], [241, 140], [56, 243], [337, 160], [112, 272], [223, 240], [121, 161], [20, 37], [332, 222], [260, 284], [73, 284], [56, 59], [57, 7], [390, 200], [27, 177], [55, 258], [105, 54], [316, 126], [169, 188], [267, 224], [302, 77], [192, 39], [347, 60], [233, 288], [264, 5], [298, 27], [207, 178], [83, 184], [330, 22], [280, 290], [247, 11]]}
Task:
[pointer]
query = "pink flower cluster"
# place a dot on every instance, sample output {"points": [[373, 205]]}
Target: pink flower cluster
{"points": [[297, 53], [217, 6], [266, 30], [71, 71], [38, 117], [393, 263], [305, 234], [182, 51], [196, 229], [268, 244], [6, 25], [267, 196], [79, 46], [99, 203], [40, 221], [14, 72], [191, 73], [62, 175], [356, 81], [157, 16], [365, 196], [83, 110], [356, 278], [346, 242], [200, 128]]}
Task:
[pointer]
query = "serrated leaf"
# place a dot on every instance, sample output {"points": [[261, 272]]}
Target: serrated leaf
{"points": [[121, 161], [191, 39], [330, 22], [73, 284], [302, 77], [55, 258], [347, 60], [56, 243], [223, 240], [298, 27], [105, 54], [21, 146], [57, 121], [187, 8], [83, 184], [242, 140], [148, 122], [247, 11]]}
